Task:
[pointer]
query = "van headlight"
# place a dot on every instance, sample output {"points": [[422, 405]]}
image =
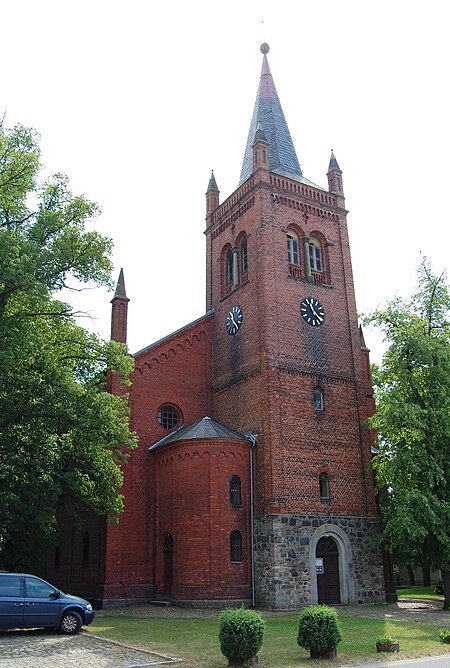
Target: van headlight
{"points": [[89, 607]]}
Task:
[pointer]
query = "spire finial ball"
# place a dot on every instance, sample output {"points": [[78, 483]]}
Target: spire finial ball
{"points": [[264, 48]]}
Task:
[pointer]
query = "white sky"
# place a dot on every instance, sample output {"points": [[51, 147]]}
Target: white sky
{"points": [[137, 101]]}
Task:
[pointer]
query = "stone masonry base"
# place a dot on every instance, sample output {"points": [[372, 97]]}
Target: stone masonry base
{"points": [[285, 559]]}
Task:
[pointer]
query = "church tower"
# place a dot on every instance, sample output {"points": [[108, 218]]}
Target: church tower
{"points": [[290, 367]]}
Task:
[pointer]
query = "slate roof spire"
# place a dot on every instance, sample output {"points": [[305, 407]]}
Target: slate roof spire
{"points": [[333, 166], [212, 185], [120, 292], [268, 112], [259, 134], [334, 176]]}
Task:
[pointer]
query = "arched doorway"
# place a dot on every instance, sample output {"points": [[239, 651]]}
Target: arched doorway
{"points": [[327, 569], [168, 564]]}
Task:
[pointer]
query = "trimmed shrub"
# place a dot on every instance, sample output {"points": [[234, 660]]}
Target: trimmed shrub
{"points": [[445, 636], [241, 634], [318, 630]]}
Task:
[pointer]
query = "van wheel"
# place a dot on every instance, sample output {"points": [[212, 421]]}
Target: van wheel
{"points": [[70, 623]]}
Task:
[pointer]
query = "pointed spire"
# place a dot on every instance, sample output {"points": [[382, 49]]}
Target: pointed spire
{"points": [[333, 166], [361, 339], [259, 134], [119, 312], [212, 195], [334, 176], [120, 288], [212, 185], [282, 157]]}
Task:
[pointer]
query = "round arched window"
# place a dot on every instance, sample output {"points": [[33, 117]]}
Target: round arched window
{"points": [[168, 416]]}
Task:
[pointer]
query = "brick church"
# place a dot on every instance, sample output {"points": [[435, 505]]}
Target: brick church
{"points": [[251, 482]]}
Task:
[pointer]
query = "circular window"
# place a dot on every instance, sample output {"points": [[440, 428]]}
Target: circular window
{"points": [[168, 416]]}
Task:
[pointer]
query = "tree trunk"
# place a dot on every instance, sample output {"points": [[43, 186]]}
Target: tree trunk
{"points": [[426, 575], [412, 579], [446, 605]]}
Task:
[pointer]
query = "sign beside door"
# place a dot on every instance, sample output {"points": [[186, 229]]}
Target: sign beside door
{"points": [[319, 566]]}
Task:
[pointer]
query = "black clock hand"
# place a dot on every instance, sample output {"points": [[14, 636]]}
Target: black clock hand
{"points": [[313, 310]]}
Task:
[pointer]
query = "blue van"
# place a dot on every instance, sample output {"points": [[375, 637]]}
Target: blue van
{"points": [[26, 601]]}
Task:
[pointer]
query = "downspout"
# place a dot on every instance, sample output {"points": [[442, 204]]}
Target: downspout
{"points": [[252, 556]]}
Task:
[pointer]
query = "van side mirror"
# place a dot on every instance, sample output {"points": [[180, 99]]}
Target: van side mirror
{"points": [[56, 594]]}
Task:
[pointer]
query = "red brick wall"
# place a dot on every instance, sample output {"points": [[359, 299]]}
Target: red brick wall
{"points": [[174, 371], [264, 376], [192, 504], [119, 319]]}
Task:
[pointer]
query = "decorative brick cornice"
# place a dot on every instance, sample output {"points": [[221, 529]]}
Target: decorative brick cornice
{"points": [[301, 371], [153, 356]]}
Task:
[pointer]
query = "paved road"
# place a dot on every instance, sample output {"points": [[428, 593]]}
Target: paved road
{"points": [[48, 649], [427, 662]]}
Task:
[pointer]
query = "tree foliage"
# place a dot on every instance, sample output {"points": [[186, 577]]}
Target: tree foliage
{"points": [[412, 389], [62, 435]]}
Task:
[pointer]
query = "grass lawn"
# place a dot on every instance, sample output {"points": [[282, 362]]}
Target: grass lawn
{"points": [[195, 640], [419, 592]]}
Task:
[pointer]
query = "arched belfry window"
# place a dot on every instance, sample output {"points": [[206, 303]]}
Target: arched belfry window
{"points": [[235, 491], [235, 547], [293, 248], [244, 258], [315, 255], [230, 267], [324, 487]]}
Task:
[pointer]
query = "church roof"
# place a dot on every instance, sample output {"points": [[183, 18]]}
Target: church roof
{"points": [[167, 338], [268, 117], [206, 428]]}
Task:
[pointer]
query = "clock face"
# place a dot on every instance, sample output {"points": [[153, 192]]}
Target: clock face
{"points": [[234, 319], [312, 311]]}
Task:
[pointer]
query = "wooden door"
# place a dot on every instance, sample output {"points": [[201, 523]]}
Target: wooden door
{"points": [[328, 579]]}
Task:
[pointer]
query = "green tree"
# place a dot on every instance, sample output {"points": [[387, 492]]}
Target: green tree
{"points": [[62, 435], [412, 389]]}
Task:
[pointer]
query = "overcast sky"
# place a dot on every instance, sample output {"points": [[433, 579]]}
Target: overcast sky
{"points": [[137, 101]]}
